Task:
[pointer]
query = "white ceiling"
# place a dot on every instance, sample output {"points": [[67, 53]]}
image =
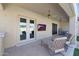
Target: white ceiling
{"points": [[42, 8]]}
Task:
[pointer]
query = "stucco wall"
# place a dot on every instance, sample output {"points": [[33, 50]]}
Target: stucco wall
{"points": [[64, 25], [9, 23]]}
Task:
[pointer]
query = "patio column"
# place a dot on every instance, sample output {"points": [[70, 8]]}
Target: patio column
{"points": [[73, 27]]}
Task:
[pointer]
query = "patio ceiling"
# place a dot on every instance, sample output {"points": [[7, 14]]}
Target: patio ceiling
{"points": [[68, 8], [43, 8]]}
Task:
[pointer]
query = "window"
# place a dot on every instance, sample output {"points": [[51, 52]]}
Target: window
{"points": [[54, 28]]}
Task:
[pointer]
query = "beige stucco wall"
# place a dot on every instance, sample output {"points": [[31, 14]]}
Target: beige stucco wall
{"points": [[64, 25], [9, 23]]}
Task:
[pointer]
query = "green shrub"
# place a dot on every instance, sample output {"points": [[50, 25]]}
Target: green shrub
{"points": [[76, 52], [77, 38]]}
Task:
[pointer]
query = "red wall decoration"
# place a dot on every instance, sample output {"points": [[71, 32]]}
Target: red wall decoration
{"points": [[41, 27]]}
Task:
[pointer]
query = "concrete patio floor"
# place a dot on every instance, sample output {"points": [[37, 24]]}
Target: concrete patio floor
{"points": [[32, 49]]}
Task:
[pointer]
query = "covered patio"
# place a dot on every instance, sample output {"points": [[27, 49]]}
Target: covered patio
{"points": [[58, 19]]}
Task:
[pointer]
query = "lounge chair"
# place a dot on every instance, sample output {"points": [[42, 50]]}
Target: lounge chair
{"points": [[68, 41], [55, 46], [69, 38]]}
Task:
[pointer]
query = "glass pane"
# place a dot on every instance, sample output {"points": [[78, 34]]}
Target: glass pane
{"points": [[32, 21], [54, 28], [23, 20], [22, 29], [31, 28]]}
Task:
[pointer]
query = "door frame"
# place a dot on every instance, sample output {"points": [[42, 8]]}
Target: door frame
{"points": [[25, 41]]}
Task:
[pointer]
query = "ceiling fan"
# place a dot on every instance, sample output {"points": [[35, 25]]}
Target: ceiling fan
{"points": [[54, 15]]}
